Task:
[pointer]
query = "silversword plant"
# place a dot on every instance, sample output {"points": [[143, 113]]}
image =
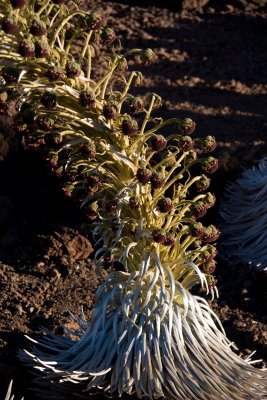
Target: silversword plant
{"points": [[148, 334], [9, 395], [245, 227]]}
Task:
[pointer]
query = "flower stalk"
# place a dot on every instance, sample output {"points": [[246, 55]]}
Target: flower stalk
{"points": [[148, 334]]}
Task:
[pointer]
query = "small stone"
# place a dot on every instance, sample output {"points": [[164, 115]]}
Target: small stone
{"points": [[241, 324], [55, 274], [20, 309], [79, 247]]}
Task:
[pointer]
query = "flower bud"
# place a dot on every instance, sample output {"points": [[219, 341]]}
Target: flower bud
{"points": [[207, 144], [9, 25], [18, 3], [94, 21], [107, 36], [211, 281], [208, 254], [187, 127], [157, 180], [55, 73], [111, 207], [129, 126], [199, 209], [44, 123], [122, 64], [190, 157], [26, 48], [87, 150], [95, 38], [209, 267], [38, 28], [49, 100], [147, 57], [143, 175], [159, 236], [209, 200], [73, 69], [169, 241], [203, 183], [42, 49], [169, 157], [134, 203], [92, 183], [87, 99], [197, 230], [157, 101], [27, 113], [211, 234], [165, 204], [20, 127], [67, 190], [158, 142], [136, 105], [52, 139], [210, 165], [137, 79], [110, 111], [186, 143]]}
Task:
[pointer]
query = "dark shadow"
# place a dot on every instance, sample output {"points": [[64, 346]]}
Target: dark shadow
{"points": [[36, 206], [216, 63]]}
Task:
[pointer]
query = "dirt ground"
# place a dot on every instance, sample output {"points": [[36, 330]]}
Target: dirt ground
{"points": [[211, 67]]}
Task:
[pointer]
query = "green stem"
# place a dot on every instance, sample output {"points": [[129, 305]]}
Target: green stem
{"points": [[107, 76], [160, 164], [67, 50], [187, 242], [175, 166], [49, 10], [106, 82], [175, 178], [127, 87], [44, 7], [61, 23], [147, 117], [89, 63], [190, 183], [150, 132], [88, 37], [148, 158], [178, 218]]}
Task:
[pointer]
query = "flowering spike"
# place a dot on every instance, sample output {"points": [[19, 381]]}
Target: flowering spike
{"points": [[147, 333]]}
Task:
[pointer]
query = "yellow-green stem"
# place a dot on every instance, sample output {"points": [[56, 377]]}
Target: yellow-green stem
{"points": [[63, 22], [88, 37], [127, 87], [43, 8]]}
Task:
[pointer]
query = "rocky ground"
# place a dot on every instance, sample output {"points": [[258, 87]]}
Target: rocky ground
{"points": [[211, 66]]}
